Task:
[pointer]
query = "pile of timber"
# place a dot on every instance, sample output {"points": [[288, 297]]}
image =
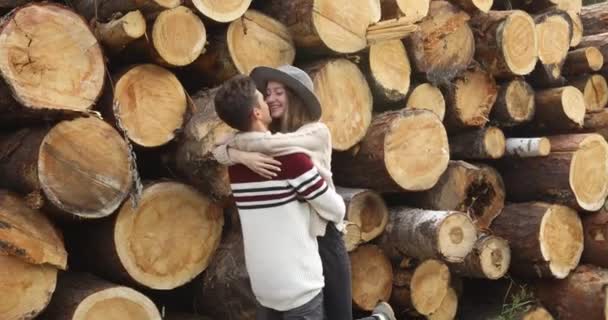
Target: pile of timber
{"points": [[469, 145]]}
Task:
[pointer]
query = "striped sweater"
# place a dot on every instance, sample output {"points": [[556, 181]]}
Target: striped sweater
{"points": [[281, 254]]}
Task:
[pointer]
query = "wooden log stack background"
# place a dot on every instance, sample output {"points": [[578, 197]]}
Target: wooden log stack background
{"points": [[469, 146]]}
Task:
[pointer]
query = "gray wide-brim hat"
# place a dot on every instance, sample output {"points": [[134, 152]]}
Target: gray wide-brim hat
{"points": [[295, 79]]}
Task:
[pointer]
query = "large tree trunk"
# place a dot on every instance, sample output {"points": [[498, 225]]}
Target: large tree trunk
{"points": [[28, 234], [116, 34], [489, 259], [27, 288], [412, 11], [485, 143], [559, 108], [582, 294], [230, 52], [192, 158], [444, 45], [347, 105], [595, 18], [583, 60], [105, 10], [546, 240], [141, 246], [554, 32], [573, 174], [426, 234], [82, 166], [514, 104], [470, 99], [67, 74], [595, 226], [372, 277], [402, 150], [225, 291], [367, 210], [82, 296], [324, 26], [595, 91], [220, 11], [505, 42], [427, 97], [476, 190]]}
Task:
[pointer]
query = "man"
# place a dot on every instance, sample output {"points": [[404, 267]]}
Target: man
{"points": [[281, 254]]}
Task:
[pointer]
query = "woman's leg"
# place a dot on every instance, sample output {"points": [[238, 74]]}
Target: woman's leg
{"points": [[336, 270]]}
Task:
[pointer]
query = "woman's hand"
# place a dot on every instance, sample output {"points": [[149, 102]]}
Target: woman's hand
{"points": [[259, 163]]}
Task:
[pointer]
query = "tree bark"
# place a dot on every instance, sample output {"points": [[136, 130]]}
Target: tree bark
{"points": [[367, 210], [595, 91], [83, 296], [528, 147], [599, 41], [595, 18], [559, 108], [372, 277], [412, 11], [582, 293], [106, 10], [489, 259], [485, 143], [572, 174], [426, 234], [595, 226], [543, 5], [427, 97], [514, 104], [583, 60], [577, 28], [28, 234], [444, 44], [121, 248], [402, 150], [474, 6], [546, 240], [218, 11], [82, 167], [116, 34], [554, 31], [505, 42]]}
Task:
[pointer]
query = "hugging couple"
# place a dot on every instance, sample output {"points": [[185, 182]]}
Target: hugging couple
{"points": [[291, 216]]}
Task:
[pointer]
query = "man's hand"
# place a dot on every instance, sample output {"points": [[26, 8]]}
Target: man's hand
{"points": [[259, 163]]}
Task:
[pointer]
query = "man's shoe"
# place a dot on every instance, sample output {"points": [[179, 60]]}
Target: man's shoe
{"points": [[384, 309]]}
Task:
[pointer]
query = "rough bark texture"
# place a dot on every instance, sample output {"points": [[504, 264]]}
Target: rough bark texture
{"points": [[105, 10], [595, 18], [543, 5], [474, 6], [486, 143], [559, 108], [514, 104], [599, 41], [595, 226], [116, 34], [583, 60], [489, 259]]}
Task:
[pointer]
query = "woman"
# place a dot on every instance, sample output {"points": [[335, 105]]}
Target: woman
{"points": [[296, 128]]}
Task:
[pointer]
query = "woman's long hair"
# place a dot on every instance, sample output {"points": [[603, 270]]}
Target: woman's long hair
{"points": [[296, 115]]}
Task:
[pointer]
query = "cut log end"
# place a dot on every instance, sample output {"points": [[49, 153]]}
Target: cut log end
{"points": [[390, 68], [472, 99], [537, 313], [117, 34], [483, 5], [221, 10], [494, 142], [554, 36], [369, 212], [413, 11], [573, 103], [372, 277], [158, 263], [594, 57], [84, 168], [341, 24], [519, 43], [588, 173], [65, 73], [447, 309], [430, 282], [259, 33], [494, 257], [352, 238], [124, 303], [595, 93], [427, 97], [520, 101], [456, 237], [151, 105], [179, 36], [27, 288], [416, 163], [561, 240], [577, 28]]}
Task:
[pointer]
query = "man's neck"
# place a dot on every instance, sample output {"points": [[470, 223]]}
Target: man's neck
{"points": [[258, 127]]}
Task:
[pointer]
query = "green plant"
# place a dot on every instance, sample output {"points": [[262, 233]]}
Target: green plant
{"points": [[516, 303]]}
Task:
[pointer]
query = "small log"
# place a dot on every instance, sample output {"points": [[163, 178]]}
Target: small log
{"points": [[583, 60], [595, 226], [116, 34], [595, 91], [595, 18], [106, 10], [427, 97], [489, 259], [82, 166], [352, 236], [58, 37], [554, 34], [426, 234], [412, 11], [546, 240], [220, 11], [83, 296], [372, 277], [582, 294], [505, 42], [28, 234], [528, 147], [402, 150], [476, 190], [543, 5], [474, 6], [367, 210], [559, 108], [229, 52], [486, 143], [150, 103], [599, 41], [448, 308], [141, 245], [347, 105], [324, 26], [577, 28], [29, 288], [387, 70], [421, 287], [514, 104], [469, 100], [444, 45]]}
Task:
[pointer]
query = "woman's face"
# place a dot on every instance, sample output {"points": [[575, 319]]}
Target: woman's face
{"points": [[276, 98]]}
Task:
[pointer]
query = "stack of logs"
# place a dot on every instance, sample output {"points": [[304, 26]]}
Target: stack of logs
{"points": [[469, 145]]}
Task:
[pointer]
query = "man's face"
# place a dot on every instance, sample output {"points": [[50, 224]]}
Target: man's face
{"points": [[262, 112]]}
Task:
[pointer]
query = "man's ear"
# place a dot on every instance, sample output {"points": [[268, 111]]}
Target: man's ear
{"points": [[255, 113]]}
